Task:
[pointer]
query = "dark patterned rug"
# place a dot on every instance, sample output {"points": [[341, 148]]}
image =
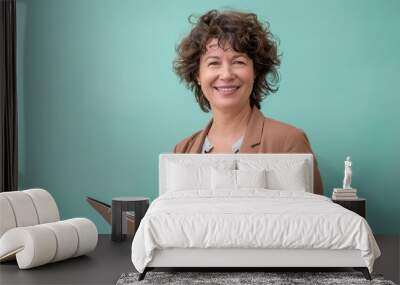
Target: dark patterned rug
{"points": [[269, 278]]}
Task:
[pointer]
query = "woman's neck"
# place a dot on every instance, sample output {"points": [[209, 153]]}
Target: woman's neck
{"points": [[230, 125]]}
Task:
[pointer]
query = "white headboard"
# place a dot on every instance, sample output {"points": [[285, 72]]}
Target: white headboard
{"points": [[165, 158]]}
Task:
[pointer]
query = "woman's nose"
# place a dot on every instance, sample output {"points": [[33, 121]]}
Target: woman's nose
{"points": [[226, 72]]}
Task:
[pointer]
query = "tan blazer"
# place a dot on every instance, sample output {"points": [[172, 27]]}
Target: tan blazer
{"points": [[263, 135]]}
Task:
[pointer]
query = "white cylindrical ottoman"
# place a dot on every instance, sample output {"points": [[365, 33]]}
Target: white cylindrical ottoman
{"points": [[51, 242]]}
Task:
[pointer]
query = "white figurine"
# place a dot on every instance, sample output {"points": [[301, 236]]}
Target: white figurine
{"points": [[347, 174]]}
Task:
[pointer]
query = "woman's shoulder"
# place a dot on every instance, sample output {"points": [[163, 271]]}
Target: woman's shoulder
{"points": [[185, 145], [281, 128], [284, 137]]}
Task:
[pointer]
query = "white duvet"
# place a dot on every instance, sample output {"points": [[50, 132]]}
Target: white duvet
{"points": [[251, 218]]}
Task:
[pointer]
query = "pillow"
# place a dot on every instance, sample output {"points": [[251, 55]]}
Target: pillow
{"points": [[290, 179], [191, 174], [251, 178], [223, 179], [281, 175], [236, 179], [187, 177]]}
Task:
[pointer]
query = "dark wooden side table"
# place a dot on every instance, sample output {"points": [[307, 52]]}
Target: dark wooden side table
{"points": [[356, 205], [119, 205]]}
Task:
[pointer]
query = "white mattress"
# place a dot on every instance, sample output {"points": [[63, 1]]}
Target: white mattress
{"points": [[251, 218]]}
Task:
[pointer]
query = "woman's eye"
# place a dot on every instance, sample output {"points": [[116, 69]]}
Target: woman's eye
{"points": [[212, 63], [239, 62]]}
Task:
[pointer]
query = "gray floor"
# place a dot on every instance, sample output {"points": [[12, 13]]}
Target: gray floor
{"points": [[110, 260], [103, 266], [389, 262]]}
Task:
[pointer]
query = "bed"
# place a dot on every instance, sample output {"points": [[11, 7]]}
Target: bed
{"points": [[247, 210]]}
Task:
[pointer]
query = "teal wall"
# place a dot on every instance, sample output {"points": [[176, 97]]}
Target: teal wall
{"points": [[99, 100]]}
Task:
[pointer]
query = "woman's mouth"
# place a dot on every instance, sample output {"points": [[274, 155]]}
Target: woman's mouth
{"points": [[226, 90]]}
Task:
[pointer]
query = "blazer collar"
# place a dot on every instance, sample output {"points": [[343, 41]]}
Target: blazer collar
{"points": [[252, 137], [198, 143], [254, 130]]}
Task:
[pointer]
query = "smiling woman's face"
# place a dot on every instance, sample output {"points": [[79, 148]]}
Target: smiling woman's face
{"points": [[226, 77]]}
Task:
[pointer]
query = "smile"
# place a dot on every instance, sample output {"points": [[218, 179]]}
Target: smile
{"points": [[227, 90]]}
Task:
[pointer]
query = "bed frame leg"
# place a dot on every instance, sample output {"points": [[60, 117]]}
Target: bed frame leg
{"points": [[143, 274], [364, 271]]}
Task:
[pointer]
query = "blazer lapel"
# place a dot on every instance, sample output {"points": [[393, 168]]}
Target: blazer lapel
{"points": [[198, 143], [253, 135]]}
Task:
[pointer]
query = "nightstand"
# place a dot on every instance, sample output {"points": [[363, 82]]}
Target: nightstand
{"points": [[356, 205], [123, 204]]}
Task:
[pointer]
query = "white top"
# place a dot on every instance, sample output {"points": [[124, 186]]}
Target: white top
{"points": [[207, 146]]}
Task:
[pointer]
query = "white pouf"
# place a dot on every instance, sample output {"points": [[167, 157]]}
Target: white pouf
{"points": [[31, 232]]}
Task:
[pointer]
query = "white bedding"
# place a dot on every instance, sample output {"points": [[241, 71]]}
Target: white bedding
{"points": [[250, 218]]}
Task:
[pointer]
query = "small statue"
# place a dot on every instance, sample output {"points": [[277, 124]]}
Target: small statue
{"points": [[347, 174]]}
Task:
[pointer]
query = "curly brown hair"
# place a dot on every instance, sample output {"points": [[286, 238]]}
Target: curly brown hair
{"points": [[245, 34]]}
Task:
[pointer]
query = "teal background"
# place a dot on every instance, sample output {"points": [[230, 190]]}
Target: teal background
{"points": [[98, 99]]}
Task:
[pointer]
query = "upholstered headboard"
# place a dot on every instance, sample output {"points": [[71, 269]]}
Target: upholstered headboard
{"points": [[245, 160]]}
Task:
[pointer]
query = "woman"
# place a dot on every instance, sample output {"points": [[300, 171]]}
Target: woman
{"points": [[230, 61]]}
